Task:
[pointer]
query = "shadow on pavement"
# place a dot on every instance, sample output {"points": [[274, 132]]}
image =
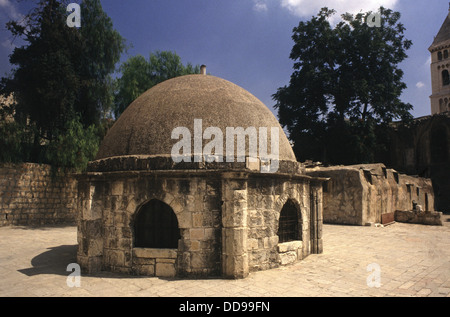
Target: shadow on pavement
{"points": [[53, 261]]}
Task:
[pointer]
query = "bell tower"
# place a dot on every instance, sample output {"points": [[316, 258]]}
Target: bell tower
{"points": [[440, 69]]}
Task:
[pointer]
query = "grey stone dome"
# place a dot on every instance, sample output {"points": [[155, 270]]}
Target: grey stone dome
{"points": [[145, 127]]}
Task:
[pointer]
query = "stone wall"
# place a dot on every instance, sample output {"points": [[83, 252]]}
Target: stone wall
{"points": [[342, 195], [108, 206], [422, 147], [29, 196], [424, 218], [266, 198], [228, 221], [361, 194]]}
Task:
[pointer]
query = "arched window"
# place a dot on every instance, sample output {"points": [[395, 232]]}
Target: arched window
{"points": [[445, 54], [445, 78], [289, 228], [156, 226], [440, 56]]}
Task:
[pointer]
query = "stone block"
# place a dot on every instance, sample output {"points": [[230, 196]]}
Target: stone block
{"points": [[131, 207], [184, 219], [234, 241], [210, 233], [197, 219], [114, 257], [168, 198], [428, 218], [289, 246], [197, 234], [144, 261], [235, 266], [121, 219], [239, 195], [146, 270], [117, 188], [433, 219], [190, 203], [288, 257], [173, 261], [155, 253], [195, 245], [252, 244], [198, 260], [234, 214], [273, 241]]}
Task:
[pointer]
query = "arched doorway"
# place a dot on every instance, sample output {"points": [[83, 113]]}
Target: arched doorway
{"points": [[156, 226]]}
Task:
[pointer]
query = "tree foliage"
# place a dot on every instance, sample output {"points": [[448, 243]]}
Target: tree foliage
{"points": [[61, 76], [345, 86], [44, 81], [75, 147], [102, 48], [139, 75]]}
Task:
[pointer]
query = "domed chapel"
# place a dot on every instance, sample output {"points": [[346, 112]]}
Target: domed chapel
{"points": [[196, 178]]}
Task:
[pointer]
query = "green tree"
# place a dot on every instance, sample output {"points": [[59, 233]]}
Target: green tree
{"points": [[134, 81], [139, 75], [60, 75], [44, 81], [73, 148], [101, 50], [346, 83]]}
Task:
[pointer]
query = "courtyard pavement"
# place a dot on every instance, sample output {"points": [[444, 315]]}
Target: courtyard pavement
{"points": [[413, 260]]}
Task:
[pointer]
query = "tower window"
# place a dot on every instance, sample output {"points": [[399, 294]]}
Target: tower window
{"points": [[439, 56], [445, 54], [445, 78], [156, 226]]}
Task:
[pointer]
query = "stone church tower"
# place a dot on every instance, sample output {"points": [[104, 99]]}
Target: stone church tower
{"points": [[440, 69]]}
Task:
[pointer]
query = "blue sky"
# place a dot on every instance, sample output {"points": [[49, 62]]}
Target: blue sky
{"points": [[248, 42]]}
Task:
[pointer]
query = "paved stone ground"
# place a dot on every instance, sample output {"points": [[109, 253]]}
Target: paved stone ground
{"points": [[414, 261]]}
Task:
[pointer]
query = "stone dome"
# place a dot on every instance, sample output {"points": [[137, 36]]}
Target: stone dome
{"points": [[145, 127]]}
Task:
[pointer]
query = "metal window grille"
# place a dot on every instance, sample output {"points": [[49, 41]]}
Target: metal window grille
{"points": [[156, 226], [288, 229]]}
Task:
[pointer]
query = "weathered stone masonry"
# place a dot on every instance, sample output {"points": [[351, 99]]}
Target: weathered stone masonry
{"points": [[228, 221], [361, 194], [30, 196]]}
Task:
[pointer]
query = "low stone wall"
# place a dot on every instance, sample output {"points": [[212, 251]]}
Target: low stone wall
{"points": [[424, 218], [362, 194], [290, 252], [29, 196]]}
